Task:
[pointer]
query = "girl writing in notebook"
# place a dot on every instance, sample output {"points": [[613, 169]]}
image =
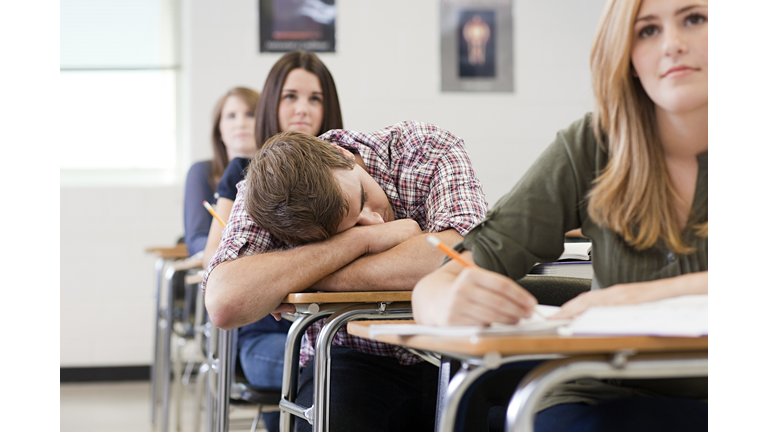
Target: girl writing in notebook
{"points": [[632, 175]]}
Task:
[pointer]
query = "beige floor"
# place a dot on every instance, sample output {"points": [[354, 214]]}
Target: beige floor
{"points": [[124, 407]]}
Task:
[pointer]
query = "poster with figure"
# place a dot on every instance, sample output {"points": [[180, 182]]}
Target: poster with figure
{"points": [[476, 45], [287, 25]]}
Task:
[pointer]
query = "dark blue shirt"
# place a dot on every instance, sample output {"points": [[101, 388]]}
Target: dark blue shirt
{"points": [[228, 189], [197, 220], [234, 172]]}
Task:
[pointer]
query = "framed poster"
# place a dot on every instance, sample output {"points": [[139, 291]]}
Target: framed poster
{"points": [[476, 45], [287, 25]]}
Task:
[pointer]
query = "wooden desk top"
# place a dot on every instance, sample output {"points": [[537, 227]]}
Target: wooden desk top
{"points": [[177, 251], [531, 344], [348, 297]]}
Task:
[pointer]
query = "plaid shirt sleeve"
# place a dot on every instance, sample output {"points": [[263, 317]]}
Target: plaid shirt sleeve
{"points": [[241, 236], [456, 199]]}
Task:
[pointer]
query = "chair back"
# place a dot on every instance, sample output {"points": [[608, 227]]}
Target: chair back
{"points": [[229, 390], [554, 290]]}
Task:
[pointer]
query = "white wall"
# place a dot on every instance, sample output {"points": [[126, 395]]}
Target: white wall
{"points": [[386, 69]]}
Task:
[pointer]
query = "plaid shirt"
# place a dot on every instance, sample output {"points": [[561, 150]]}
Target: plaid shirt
{"points": [[426, 174]]}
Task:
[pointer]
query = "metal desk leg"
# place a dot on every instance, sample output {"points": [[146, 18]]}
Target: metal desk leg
{"points": [[323, 356], [166, 349], [458, 386], [443, 380], [199, 391], [224, 380], [159, 265], [522, 406], [291, 370], [178, 388], [463, 379], [211, 398]]}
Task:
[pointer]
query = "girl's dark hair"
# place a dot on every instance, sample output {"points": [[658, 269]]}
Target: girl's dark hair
{"points": [[220, 156], [267, 123]]}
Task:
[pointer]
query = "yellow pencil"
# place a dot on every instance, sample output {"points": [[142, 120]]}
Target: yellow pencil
{"points": [[211, 211], [434, 241]]}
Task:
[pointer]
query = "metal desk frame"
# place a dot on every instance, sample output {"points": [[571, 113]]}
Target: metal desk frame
{"points": [[339, 315]]}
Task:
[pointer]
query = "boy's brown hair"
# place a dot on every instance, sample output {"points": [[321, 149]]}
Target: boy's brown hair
{"points": [[291, 191]]}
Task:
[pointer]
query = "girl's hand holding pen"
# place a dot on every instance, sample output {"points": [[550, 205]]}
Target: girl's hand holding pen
{"points": [[475, 296]]}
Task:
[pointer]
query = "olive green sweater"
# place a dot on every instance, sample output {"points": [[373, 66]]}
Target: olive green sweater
{"points": [[527, 226]]}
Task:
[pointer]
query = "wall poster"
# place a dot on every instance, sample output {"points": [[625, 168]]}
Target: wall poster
{"points": [[287, 25], [476, 45]]}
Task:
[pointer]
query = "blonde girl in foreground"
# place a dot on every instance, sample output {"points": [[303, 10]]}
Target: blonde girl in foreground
{"points": [[632, 175]]}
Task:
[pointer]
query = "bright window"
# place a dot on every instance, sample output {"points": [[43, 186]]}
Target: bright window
{"points": [[118, 85]]}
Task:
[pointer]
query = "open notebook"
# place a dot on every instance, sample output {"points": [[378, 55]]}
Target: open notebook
{"points": [[679, 316], [533, 325]]}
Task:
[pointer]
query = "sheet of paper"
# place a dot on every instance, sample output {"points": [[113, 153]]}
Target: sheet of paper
{"points": [[677, 316], [534, 325], [577, 251]]}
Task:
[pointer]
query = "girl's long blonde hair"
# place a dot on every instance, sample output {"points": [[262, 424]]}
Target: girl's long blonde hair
{"points": [[634, 195]]}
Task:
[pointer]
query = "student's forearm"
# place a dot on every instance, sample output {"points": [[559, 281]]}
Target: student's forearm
{"points": [[687, 284], [637, 292], [214, 236], [223, 209], [244, 290], [396, 269], [692, 283]]}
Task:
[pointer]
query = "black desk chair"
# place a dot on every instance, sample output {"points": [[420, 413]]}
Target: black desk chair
{"points": [[226, 384], [554, 290]]}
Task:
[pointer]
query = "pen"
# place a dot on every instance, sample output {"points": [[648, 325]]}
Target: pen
{"points": [[434, 241], [211, 211]]}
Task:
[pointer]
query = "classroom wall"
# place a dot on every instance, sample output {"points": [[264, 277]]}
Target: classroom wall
{"points": [[386, 69]]}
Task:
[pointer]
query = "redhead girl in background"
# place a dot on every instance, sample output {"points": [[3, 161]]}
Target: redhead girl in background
{"points": [[233, 136]]}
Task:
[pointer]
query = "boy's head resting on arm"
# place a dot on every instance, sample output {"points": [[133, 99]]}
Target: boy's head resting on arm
{"points": [[302, 189]]}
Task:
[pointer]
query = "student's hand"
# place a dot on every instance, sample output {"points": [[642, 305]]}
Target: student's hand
{"points": [[283, 308], [385, 236], [474, 297], [633, 293]]}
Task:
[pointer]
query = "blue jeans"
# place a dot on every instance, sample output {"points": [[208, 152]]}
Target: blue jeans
{"points": [[261, 358]]}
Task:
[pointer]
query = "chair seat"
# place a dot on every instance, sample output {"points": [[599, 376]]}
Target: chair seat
{"points": [[253, 395]]}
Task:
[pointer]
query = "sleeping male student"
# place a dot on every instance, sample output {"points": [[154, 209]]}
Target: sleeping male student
{"points": [[633, 176], [344, 212]]}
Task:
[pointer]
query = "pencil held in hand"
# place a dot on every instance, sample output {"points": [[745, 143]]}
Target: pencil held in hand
{"points": [[212, 212], [434, 241]]}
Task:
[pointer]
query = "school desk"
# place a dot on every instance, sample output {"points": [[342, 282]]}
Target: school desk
{"points": [[568, 358]]}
